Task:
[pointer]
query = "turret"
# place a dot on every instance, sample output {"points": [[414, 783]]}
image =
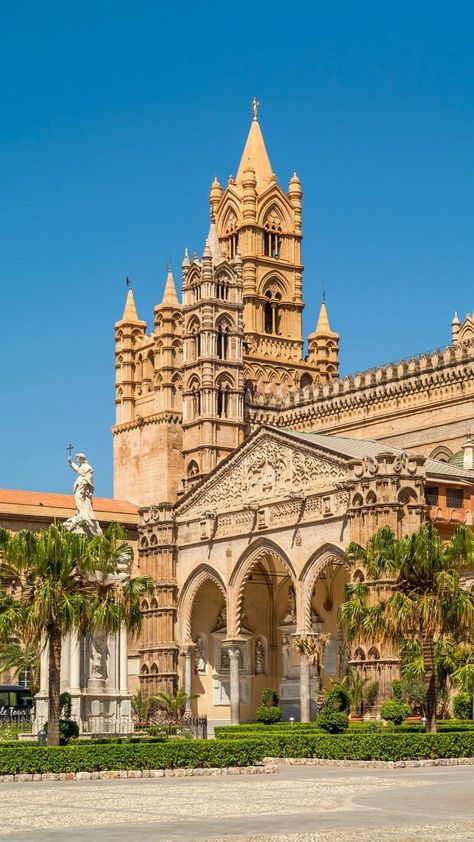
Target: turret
{"points": [[129, 332], [215, 195], [323, 348], [295, 195], [455, 328], [168, 350]]}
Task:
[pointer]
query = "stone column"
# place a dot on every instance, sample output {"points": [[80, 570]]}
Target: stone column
{"points": [[44, 668], [123, 661], [74, 662], [305, 699], [188, 677], [234, 653]]}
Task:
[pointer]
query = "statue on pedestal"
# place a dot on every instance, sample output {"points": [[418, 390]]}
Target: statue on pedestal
{"points": [[259, 658], [84, 521], [200, 657]]}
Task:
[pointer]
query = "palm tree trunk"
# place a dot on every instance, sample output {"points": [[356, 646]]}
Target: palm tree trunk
{"points": [[430, 684], [54, 679]]}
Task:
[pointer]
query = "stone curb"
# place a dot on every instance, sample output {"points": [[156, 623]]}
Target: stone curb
{"points": [[266, 769], [368, 764]]}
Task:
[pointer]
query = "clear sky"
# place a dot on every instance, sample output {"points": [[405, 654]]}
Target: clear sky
{"points": [[114, 118]]}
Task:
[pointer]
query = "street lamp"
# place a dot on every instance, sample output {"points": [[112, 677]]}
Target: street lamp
{"points": [[292, 720], [42, 737]]}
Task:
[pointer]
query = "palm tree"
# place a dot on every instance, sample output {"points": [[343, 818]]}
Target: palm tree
{"points": [[17, 656], [425, 601], [174, 705], [143, 707], [65, 582]]}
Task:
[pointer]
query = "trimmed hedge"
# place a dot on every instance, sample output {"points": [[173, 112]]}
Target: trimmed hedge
{"points": [[229, 732], [242, 752]]}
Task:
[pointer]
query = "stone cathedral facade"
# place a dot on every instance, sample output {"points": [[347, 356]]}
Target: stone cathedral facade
{"points": [[253, 465]]}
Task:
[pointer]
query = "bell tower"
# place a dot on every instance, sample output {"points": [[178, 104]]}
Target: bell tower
{"points": [[257, 217], [213, 387]]}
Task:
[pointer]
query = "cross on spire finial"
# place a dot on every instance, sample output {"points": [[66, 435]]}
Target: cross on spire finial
{"points": [[255, 104], [128, 282]]}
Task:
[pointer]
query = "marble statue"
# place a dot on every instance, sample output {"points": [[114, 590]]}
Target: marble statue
{"points": [[259, 658], [290, 617], [285, 655], [200, 659], [98, 661], [221, 620], [84, 520]]}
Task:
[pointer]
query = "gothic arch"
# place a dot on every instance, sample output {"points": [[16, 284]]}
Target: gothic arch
{"points": [[317, 562], [257, 551], [275, 201], [203, 573], [441, 454], [275, 282], [229, 217]]}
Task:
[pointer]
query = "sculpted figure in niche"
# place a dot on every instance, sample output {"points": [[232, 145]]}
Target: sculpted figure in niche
{"points": [[98, 662], [285, 656], [290, 617], [259, 658], [200, 657], [221, 620]]}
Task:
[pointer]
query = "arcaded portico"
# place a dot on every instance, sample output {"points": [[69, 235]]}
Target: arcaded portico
{"points": [[253, 557]]}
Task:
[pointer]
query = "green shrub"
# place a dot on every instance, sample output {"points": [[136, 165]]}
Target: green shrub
{"points": [[394, 711], [397, 690], [268, 714], [93, 757], [337, 699], [462, 706], [270, 697], [333, 721]]}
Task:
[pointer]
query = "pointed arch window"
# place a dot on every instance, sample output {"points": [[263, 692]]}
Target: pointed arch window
{"points": [[223, 288], [233, 245], [222, 340], [271, 312]]}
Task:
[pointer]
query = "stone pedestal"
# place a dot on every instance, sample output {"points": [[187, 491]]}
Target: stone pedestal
{"points": [[94, 672]]}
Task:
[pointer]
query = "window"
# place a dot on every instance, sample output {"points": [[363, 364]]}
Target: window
{"points": [[24, 678], [271, 313], [271, 244], [222, 342], [268, 318], [454, 498], [222, 402], [222, 289], [432, 495], [233, 245]]}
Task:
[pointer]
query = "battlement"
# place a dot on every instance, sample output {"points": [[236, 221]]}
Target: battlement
{"points": [[363, 398]]}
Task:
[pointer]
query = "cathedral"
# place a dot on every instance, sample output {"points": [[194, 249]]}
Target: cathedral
{"points": [[244, 464]]}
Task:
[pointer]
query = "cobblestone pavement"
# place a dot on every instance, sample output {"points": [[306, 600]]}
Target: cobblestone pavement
{"points": [[298, 804]]}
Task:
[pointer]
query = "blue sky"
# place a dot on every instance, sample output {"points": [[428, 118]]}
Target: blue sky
{"points": [[114, 118]]}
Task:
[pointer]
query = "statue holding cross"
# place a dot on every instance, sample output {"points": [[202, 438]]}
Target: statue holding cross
{"points": [[84, 520]]}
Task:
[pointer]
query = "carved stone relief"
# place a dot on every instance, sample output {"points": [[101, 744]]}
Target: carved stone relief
{"points": [[267, 470]]}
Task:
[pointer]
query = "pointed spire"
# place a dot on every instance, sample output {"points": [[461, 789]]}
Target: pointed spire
{"points": [[455, 320], [170, 297], [130, 312], [256, 152], [186, 261], [323, 327], [214, 245]]}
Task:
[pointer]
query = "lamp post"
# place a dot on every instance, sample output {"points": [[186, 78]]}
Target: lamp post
{"points": [[42, 737]]}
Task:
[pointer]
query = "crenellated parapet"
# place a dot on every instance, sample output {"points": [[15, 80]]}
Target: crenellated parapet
{"points": [[371, 401]]}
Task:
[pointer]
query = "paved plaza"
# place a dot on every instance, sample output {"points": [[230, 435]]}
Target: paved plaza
{"points": [[297, 804]]}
